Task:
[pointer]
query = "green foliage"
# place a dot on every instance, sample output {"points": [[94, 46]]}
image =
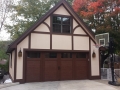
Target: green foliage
{"points": [[5, 67], [25, 13], [3, 48], [3, 55]]}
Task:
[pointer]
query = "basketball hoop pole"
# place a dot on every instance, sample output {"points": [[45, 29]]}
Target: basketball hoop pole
{"points": [[103, 40], [111, 50]]}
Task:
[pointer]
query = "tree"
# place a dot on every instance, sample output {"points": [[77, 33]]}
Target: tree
{"points": [[99, 12], [101, 16], [3, 48], [25, 13], [4, 10]]}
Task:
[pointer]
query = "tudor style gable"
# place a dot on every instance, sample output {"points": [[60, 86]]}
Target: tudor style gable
{"points": [[60, 33], [44, 24]]}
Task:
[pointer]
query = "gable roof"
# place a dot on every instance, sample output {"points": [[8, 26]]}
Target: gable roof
{"points": [[13, 45]]}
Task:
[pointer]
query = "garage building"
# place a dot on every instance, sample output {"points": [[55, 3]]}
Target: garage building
{"points": [[59, 46]]}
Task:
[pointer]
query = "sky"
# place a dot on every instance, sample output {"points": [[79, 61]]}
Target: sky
{"points": [[4, 35]]}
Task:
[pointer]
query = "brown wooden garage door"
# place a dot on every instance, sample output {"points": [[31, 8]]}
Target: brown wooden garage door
{"points": [[52, 66], [81, 66], [33, 66]]}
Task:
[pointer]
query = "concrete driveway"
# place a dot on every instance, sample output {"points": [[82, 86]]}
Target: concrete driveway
{"points": [[62, 85]]}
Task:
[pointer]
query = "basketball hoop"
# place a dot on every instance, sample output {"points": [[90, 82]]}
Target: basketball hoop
{"points": [[102, 39]]}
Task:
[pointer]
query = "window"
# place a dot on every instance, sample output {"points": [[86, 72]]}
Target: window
{"points": [[81, 55], [33, 54], [61, 24], [66, 55], [50, 55]]}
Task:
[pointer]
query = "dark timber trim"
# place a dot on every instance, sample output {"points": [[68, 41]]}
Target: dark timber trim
{"points": [[99, 64], [56, 50], [80, 35], [24, 65], [15, 64], [41, 32], [59, 34], [29, 41], [46, 25], [11, 60], [41, 20], [89, 58], [72, 34], [51, 20], [75, 28]]}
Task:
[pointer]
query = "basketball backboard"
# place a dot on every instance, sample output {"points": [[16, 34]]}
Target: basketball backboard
{"points": [[102, 39]]}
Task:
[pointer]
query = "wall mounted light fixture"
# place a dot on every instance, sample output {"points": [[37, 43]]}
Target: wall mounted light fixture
{"points": [[20, 53], [93, 54]]}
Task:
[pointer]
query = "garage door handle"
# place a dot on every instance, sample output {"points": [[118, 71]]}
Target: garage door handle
{"points": [[59, 68]]}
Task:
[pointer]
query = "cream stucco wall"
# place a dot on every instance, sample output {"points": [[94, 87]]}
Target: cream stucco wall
{"points": [[40, 41], [47, 21], [81, 43], [19, 69], [61, 42], [42, 28], [94, 61], [62, 11], [11, 69], [79, 30], [74, 23]]}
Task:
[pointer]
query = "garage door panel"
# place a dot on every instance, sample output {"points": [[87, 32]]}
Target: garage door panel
{"points": [[51, 70], [33, 71], [66, 70], [81, 71], [52, 66]]}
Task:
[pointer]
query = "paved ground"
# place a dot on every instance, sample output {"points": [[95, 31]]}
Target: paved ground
{"points": [[106, 82], [63, 85]]}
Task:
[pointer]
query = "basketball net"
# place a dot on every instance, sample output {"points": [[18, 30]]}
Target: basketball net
{"points": [[97, 45]]}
